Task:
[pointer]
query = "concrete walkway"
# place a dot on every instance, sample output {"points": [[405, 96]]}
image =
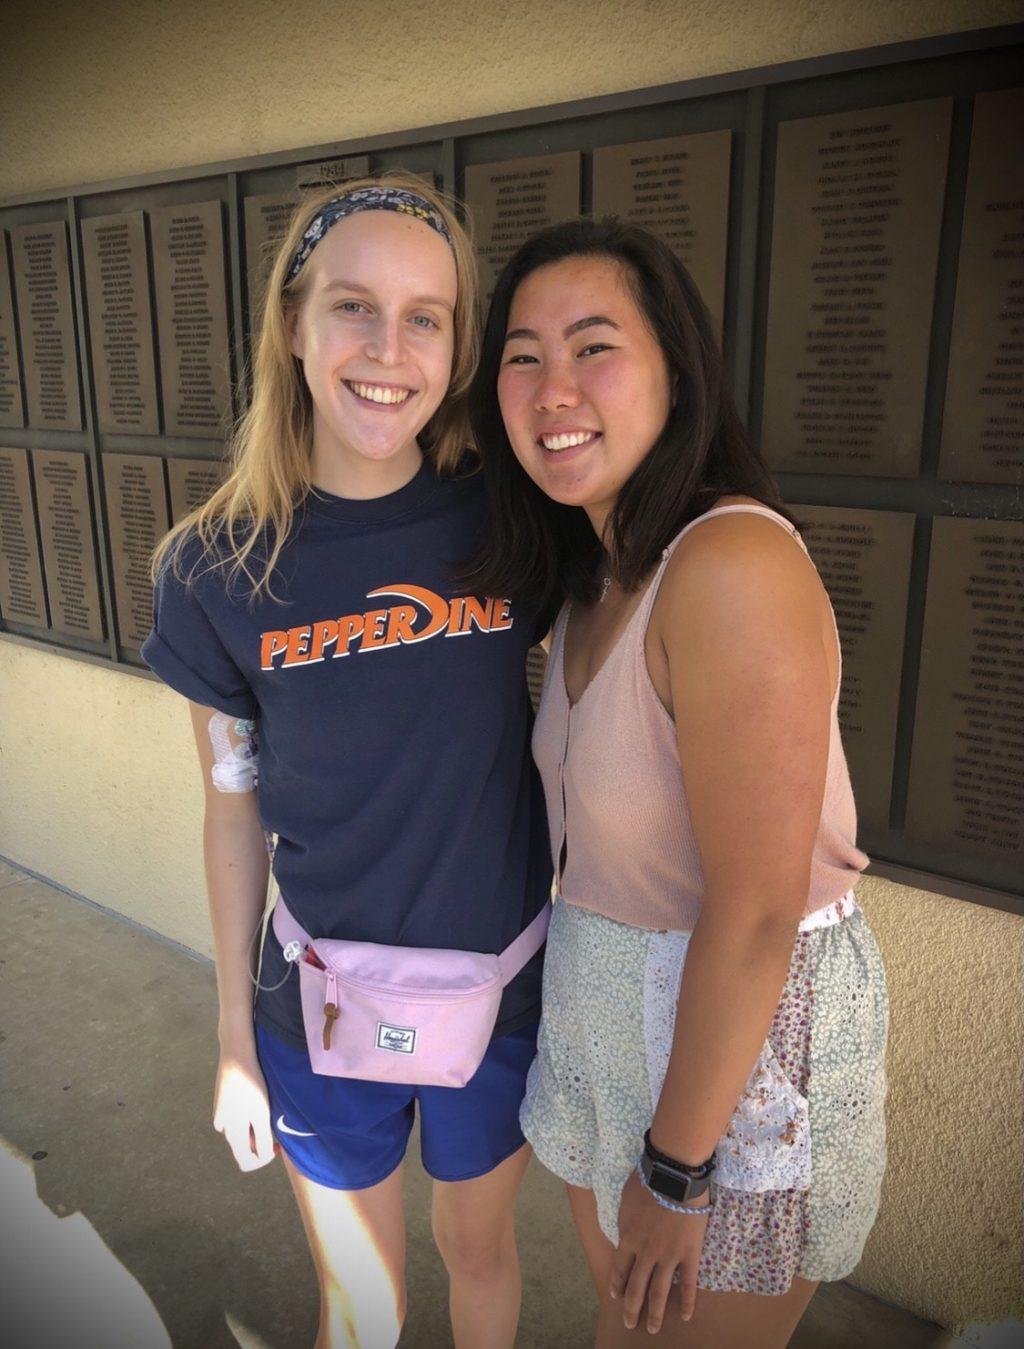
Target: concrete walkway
{"points": [[125, 1223]]}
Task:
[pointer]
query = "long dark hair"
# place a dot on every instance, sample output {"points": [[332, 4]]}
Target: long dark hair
{"points": [[541, 551]]}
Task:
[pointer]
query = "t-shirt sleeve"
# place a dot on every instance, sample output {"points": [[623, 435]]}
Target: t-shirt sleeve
{"points": [[185, 651]]}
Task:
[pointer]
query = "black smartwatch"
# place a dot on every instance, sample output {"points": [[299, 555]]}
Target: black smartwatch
{"points": [[672, 1179]]}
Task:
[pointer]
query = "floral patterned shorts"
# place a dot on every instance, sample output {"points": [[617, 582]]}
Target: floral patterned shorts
{"points": [[800, 1166]]}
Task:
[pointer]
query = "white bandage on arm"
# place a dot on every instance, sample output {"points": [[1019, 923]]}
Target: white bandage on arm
{"points": [[235, 761]]}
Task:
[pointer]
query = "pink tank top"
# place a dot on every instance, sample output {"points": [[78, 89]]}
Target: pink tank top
{"points": [[614, 786]]}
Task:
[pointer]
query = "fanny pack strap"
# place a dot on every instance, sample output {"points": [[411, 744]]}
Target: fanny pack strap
{"points": [[525, 946], [510, 962]]}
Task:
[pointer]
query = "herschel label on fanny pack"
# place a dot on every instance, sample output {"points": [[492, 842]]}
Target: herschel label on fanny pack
{"points": [[399, 1039]]}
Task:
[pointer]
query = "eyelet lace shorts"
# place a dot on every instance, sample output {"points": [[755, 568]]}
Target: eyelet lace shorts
{"points": [[800, 1165]]}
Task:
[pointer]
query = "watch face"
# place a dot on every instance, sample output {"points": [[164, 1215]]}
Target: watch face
{"points": [[668, 1183]]}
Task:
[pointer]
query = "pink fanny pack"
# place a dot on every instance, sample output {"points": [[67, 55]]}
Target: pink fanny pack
{"points": [[400, 1013]]}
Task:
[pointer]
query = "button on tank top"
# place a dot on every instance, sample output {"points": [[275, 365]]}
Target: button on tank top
{"points": [[614, 786]]}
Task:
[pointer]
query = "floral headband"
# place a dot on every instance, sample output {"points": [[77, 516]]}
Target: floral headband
{"points": [[366, 199]]}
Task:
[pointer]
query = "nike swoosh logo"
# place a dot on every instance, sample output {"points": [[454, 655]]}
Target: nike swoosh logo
{"points": [[296, 1133]]}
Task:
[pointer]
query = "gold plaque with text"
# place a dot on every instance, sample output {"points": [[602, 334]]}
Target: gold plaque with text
{"points": [[22, 598], [121, 323], [863, 558], [858, 207], [967, 770], [266, 221], [47, 325], [137, 520], [192, 481], [12, 407], [511, 200], [192, 319], [983, 424], [678, 189], [69, 550]]}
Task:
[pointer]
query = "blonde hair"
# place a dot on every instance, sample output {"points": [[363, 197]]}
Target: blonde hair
{"points": [[270, 449]]}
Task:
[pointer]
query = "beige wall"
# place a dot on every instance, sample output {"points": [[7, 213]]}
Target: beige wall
{"points": [[97, 785], [92, 89]]}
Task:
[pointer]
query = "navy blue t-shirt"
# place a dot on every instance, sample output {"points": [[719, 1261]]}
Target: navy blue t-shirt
{"points": [[393, 723]]}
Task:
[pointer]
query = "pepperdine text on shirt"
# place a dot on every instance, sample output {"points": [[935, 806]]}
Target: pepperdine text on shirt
{"points": [[379, 629]]}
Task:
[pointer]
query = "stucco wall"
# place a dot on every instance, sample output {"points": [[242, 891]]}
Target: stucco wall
{"points": [[93, 89], [98, 789]]}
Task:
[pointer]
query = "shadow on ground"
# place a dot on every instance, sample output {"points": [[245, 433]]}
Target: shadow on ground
{"points": [[139, 1231]]}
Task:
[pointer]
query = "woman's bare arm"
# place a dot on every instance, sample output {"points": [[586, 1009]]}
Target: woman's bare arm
{"points": [[237, 867], [751, 689]]}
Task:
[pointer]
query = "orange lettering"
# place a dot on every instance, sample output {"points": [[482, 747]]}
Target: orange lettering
{"points": [[373, 631], [298, 647], [400, 621], [434, 604], [325, 633], [458, 613], [348, 627], [271, 645], [501, 615], [478, 612]]}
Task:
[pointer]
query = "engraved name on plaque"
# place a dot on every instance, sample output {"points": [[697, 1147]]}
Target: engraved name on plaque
{"points": [[983, 424], [508, 201], [678, 189], [192, 481], [137, 515], [266, 221], [120, 323], [47, 324], [864, 561], [858, 205], [22, 598], [12, 408], [967, 770], [191, 305]]}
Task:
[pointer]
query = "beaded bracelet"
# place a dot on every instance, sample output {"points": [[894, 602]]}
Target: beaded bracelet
{"points": [[694, 1209]]}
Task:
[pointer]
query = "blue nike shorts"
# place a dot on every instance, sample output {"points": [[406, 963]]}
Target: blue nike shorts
{"points": [[349, 1134]]}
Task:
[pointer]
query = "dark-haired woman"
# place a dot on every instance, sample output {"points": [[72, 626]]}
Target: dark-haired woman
{"points": [[720, 1127]]}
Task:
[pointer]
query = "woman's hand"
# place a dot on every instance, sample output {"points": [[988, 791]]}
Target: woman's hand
{"points": [[241, 1110], [654, 1245]]}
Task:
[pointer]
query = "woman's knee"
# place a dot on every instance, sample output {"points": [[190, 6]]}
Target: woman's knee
{"points": [[479, 1252]]}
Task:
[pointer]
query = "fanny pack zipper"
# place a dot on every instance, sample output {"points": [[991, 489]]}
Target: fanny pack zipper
{"points": [[396, 991]]}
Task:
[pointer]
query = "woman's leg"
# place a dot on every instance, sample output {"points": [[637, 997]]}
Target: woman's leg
{"points": [[720, 1321], [357, 1241], [596, 1246], [474, 1227]]}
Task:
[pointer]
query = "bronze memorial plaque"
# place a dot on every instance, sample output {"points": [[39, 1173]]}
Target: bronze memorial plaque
{"points": [[12, 408], [192, 482], [509, 201], [47, 324], [137, 516], [864, 561], [121, 323], [983, 425], [858, 205], [678, 189], [22, 599], [69, 553], [266, 220], [967, 770], [192, 318]]}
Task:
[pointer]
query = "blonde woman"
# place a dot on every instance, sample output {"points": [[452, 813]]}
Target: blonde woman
{"points": [[349, 700]]}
